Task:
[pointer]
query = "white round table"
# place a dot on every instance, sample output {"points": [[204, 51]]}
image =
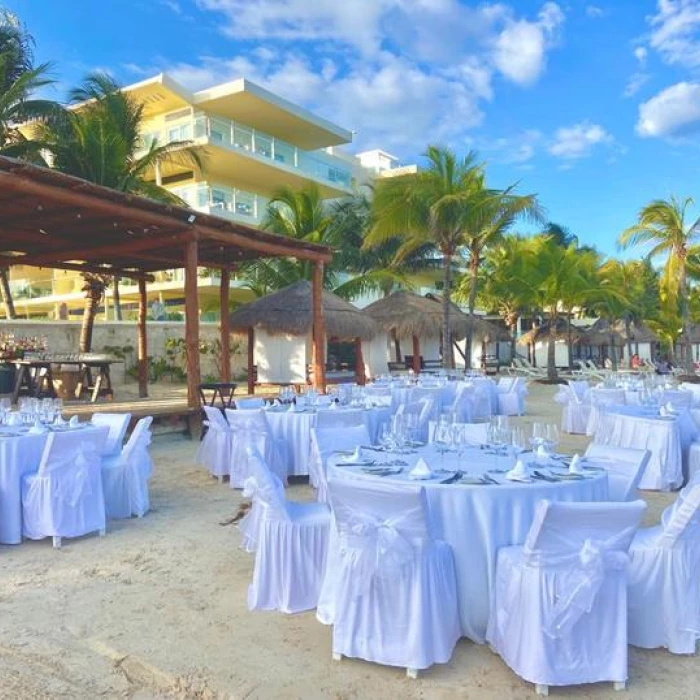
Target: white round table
{"points": [[20, 453], [476, 520], [293, 428]]}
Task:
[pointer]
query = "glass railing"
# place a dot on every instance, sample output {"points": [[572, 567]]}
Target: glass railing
{"points": [[219, 199], [238, 136]]}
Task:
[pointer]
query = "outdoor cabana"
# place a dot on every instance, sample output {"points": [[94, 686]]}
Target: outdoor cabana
{"points": [[537, 342], [603, 336], [280, 327], [54, 220]]}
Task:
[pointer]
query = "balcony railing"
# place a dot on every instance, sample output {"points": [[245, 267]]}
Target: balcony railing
{"points": [[219, 199], [240, 137]]}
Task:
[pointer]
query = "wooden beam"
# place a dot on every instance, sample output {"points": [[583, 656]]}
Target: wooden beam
{"points": [[416, 354], [192, 324], [142, 341], [251, 360], [360, 376], [397, 345], [318, 331], [76, 251], [225, 326], [97, 269]]}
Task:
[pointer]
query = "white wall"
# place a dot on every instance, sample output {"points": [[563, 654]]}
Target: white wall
{"points": [[561, 353]]}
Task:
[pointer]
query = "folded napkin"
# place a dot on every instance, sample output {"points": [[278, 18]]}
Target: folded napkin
{"points": [[518, 472], [420, 471], [541, 455], [37, 429], [74, 422], [575, 467], [292, 408], [355, 456], [14, 419], [334, 405]]}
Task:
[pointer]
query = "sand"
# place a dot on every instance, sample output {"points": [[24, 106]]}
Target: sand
{"points": [[156, 609]]}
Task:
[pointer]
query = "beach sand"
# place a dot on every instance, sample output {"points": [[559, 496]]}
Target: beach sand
{"points": [[157, 609]]}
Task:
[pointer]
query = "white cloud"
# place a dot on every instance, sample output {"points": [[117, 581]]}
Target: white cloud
{"points": [[595, 12], [513, 150], [577, 141], [635, 84], [520, 49], [641, 53], [674, 112], [675, 32]]}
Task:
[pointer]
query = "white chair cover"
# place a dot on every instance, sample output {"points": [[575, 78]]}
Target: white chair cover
{"points": [[664, 579], [390, 565], [336, 419], [125, 478], [65, 498], [694, 389], [511, 396], [464, 406], [291, 547], [600, 399], [324, 442], [625, 467], [214, 451], [118, 423], [576, 409], [559, 610], [250, 429], [249, 403]]}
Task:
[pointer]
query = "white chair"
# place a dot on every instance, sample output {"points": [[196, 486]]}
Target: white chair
{"points": [[396, 591], [576, 408], [291, 548], [250, 403], [339, 419], [464, 405], [422, 411], [625, 467], [65, 498], [511, 396], [559, 608], [600, 400], [326, 441], [680, 400], [214, 451], [118, 424], [125, 477], [694, 389], [251, 429], [664, 579]]}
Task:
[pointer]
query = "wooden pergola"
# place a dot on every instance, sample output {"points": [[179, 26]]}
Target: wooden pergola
{"points": [[49, 219]]}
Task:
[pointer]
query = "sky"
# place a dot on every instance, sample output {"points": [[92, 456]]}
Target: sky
{"points": [[593, 106]]}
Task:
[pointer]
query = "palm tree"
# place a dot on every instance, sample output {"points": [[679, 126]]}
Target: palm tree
{"points": [[19, 81], [490, 217], [429, 208], [663, 224], [100, 141]]}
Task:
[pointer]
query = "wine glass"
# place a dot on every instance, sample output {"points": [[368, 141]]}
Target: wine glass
{"points": [[552, 436], [539, 434]]}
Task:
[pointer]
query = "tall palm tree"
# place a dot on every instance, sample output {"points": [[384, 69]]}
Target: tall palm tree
{"points": [[664, 225], [100, 141], [20, 79], [429, 208], [492, 215]]}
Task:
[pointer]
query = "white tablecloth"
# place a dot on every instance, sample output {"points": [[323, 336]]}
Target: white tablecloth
{"points": [[474, 520], [19, 456], [668, 439], [294, 430]]}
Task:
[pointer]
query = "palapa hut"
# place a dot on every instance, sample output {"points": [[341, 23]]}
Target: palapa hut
{"points": [[602, 337], [280, 332], [412, 326], [537, 342]]}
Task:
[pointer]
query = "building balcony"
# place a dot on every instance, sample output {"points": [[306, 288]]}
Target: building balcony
{"points": [[258, 147], [227, 202]]}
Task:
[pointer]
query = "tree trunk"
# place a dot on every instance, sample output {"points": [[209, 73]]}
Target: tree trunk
{"points": [[551, 348], [534, 342], [117, 301], [685, 315], [94, 289], [613, 355], [446, 302], [628, 333], [6, 294], [473, 282], [569, 342], [397, 345]]}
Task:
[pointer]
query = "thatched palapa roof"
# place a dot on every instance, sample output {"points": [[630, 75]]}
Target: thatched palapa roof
{"points": [[288, 311], [602, 333], [411, 314], [561, 332]]}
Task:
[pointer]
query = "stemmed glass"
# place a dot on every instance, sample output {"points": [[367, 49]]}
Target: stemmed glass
{"points": [[552, 437], [539, 434]]}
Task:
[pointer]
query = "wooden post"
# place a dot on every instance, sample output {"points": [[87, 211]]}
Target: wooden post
{"points": [[360, 376], [192, 324], [251, 360], [142, 341], [225, 327], [397, 345], [319, 332], [416, 354]]}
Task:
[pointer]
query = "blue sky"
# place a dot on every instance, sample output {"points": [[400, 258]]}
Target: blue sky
{"points": [[595, 106]]}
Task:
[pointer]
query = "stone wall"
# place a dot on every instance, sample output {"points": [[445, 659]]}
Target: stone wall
{"points": [[63, 337]]}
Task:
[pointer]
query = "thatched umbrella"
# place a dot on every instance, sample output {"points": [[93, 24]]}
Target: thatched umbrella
{"points": [[289, 312]]}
